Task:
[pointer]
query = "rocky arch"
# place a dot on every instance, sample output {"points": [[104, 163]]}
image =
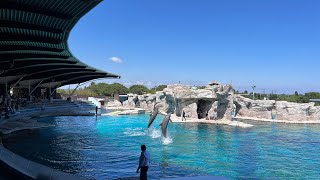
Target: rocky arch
{"points": [[203, 107]]}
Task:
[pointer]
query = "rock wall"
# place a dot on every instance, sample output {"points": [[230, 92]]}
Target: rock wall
{"points": [[217, 101], [282, 109], [213, 102]]}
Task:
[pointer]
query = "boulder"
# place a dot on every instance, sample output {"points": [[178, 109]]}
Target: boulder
{"points": [[114, 103], [213, 112], [191, 110], [129, 104]]}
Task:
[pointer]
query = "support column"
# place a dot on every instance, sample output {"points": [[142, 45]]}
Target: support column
{"points": [[49, 92], [6, 87], [73, 91], [15, 84], [55, 89], [30, 99], [35, 87]]}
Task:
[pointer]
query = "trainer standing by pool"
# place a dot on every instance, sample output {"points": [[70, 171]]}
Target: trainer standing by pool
{"points": [[143, 163]]}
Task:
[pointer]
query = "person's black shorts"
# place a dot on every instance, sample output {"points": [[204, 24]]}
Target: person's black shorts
{"points": [[143, 173]]}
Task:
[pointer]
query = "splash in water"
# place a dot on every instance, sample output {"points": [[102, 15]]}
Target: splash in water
{"points": [[154, 133], [134, 132], [166, 141]]}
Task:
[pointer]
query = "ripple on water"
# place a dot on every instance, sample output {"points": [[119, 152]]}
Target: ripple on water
{"points": [[109, 148]]}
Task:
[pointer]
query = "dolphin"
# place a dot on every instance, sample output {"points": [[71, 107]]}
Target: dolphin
{"points": [[153, 116], [164, 125]]}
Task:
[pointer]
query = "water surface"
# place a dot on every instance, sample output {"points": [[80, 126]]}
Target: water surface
{"points": [[109, 148]]}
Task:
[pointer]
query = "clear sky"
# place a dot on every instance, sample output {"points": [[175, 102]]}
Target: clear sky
{"points": [[274, 44]]}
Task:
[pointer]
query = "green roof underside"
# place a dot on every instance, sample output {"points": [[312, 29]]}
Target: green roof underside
{"points": [[33, 42]]}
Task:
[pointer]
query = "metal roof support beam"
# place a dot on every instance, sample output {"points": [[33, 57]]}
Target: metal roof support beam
{"points": [[55, 89], [35, 87], [16, 83], [6, 85], [74, 90]]}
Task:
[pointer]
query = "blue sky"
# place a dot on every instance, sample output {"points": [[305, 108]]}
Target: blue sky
{"points": [[274, 44]]}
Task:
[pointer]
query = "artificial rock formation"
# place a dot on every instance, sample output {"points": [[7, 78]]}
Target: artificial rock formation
{"points": [[213, 102], [216, 101], [282, 109]]}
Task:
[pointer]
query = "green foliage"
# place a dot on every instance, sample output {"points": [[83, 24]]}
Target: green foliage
{"points": [[312, 95], [157, 88], [296, 97], [85, 92], [138, 89], [116, 88], [104, 89], [202, 87], [62, 91]]}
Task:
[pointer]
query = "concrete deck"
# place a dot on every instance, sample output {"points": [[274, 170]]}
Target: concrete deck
{"points": [[182, 178], [126, 112], [176, 119], [198, 178], [22, 124], [27, 169], [279, 120], [25, 120]]}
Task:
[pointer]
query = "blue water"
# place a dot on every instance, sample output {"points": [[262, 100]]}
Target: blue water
{"points": [[109, 148]]}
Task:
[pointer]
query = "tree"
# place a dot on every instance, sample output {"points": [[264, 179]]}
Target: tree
{"points": [[104, 89], [116, 88], [161, 87], [157, 88], [201, 87], [312, 95], [62, 91], [296, 93], [138, 89]]}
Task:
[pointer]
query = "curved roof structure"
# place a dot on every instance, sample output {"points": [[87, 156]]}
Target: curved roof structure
{"points": [[33, 42]]}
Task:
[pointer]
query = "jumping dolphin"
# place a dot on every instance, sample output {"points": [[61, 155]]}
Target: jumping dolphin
{"points": [[164, 125], [153, 116]]}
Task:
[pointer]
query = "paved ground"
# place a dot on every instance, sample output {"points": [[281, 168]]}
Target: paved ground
{"points": [[223, 121]]}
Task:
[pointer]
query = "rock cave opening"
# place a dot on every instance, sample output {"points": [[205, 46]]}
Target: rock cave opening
{"points": [[203, 107]]}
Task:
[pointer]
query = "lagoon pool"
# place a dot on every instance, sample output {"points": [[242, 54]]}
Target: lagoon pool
{"points": [[109, 148]]}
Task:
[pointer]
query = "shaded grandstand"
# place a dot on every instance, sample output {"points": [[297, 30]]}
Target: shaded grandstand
{"points": [[34, 56]]}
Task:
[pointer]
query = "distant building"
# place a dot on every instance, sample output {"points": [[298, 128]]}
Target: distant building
{"points": [[120, 97]]}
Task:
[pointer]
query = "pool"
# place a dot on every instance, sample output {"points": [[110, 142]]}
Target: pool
{"points": [[109, 148]]}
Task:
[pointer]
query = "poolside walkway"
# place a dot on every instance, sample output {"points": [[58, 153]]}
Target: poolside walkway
{"points": [[24, 119], [177, 119], [125, 111], [22, 124], [279, 120], [26, 169], [182, 178]]}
